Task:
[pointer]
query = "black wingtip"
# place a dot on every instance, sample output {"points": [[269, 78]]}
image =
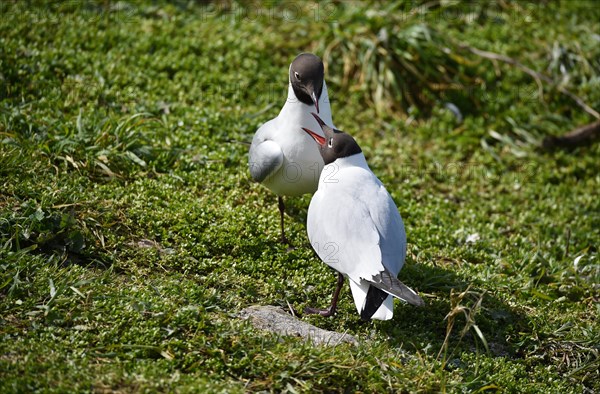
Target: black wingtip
{"points": [[373, 301], [390, 284]]}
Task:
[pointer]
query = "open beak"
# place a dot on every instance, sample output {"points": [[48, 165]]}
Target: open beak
{"points": [[319, 140], [328, 131], [319, 121]]}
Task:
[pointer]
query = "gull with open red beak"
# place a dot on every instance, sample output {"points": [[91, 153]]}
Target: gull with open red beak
{"points": [[282, 157], [355, 228]]}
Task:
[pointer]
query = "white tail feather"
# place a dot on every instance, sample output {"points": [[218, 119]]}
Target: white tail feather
{"points": [[359, 293]]}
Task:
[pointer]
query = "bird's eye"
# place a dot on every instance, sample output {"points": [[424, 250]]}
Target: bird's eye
{"points": [[297, 75], [330, 143]]}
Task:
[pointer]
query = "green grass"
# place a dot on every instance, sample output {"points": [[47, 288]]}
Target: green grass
{"points": [[131, 233]]}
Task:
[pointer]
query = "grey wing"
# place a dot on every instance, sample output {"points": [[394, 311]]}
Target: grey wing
{"points": [[388, 282], [365, 243], [391, 231], [392, 241], [265, 157], [345, 239]]}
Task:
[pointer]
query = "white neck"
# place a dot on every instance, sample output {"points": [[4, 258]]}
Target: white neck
{"points": [[356, 160]]}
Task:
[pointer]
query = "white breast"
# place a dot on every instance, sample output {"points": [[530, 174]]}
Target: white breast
{"points": [[302, 163]]}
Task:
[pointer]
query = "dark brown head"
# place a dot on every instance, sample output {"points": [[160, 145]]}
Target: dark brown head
{"points": [[335, 145], [306, 76]]}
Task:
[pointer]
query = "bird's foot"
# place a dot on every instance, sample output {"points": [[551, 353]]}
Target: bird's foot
{"points": [[286, 242], [316, 311]]}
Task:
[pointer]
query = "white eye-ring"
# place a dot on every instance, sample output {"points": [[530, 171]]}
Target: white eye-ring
{"points": [[330, 143], [297, 75]]}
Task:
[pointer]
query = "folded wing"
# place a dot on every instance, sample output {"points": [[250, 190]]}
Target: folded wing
{"points": [[265, 158], [359, 233]]}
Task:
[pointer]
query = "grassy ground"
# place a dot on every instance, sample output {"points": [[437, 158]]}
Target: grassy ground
{"points": [[130, 232]]}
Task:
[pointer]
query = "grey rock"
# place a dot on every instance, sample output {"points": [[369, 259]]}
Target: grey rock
{"points": [[277, 320]]}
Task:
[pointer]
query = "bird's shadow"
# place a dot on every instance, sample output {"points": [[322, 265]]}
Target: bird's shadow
{"points": [[448, 297], [454, 305]]}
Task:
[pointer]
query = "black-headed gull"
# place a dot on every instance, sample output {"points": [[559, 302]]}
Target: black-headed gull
{"points": [[282, 157], [355, 228]]}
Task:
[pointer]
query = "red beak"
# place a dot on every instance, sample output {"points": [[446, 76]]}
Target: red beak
{"points": [[320, 140]]}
